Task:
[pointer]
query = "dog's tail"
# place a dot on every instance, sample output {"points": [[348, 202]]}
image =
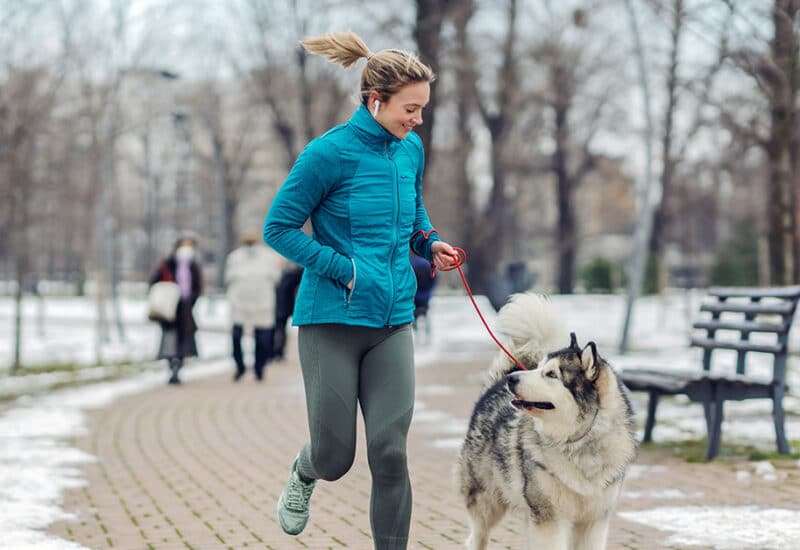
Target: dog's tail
{"points": [[532, 328]]}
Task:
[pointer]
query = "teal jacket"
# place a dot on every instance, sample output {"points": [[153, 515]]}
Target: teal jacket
{"points": [[362, 189]]}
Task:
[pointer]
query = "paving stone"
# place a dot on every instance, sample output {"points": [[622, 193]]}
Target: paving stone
{"points": [[201, 466]]}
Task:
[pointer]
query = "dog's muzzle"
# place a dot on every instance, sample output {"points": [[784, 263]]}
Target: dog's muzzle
{"points": [[512, 381]]}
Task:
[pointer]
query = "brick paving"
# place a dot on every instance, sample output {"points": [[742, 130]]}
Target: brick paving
{"points": [[201, 467]]}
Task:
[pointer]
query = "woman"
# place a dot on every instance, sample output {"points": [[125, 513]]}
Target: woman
{"points": [[177, 337], [361, 186]]}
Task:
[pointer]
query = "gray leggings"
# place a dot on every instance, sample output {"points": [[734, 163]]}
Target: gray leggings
{"points": [[342, 367]]}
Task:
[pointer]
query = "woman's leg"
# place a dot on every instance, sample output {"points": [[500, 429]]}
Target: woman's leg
{"points": [[329, 358], [387, 400], [175, 364]]}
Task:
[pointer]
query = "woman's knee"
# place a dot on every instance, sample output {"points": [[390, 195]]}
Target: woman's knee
{"points": [[387, 456], [331, 462]]}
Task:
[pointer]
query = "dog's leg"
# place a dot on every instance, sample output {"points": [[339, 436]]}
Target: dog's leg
{"points": [[552, 535], [484, 513], [592, 536]]}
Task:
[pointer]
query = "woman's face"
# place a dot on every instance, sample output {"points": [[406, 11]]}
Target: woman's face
{"points": [[402, 111]]}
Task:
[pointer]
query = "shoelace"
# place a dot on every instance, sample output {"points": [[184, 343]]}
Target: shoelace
{"points": [[298, 494]]}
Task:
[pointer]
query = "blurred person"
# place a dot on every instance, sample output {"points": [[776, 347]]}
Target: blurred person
{"points": [[425, 283], [177, 337], [360, 184], [285, 294], [251, 274]]}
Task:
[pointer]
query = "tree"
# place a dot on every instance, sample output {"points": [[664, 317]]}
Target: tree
{"points": [[427, 35], [775, 69]]}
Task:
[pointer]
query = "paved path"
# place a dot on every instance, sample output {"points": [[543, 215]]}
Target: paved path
{"points": [[201, 466]]}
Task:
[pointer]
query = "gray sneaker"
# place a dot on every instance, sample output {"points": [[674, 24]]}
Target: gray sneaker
{"points": [[293, 503]]}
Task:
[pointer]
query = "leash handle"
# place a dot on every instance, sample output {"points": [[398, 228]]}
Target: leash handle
{"points": [[460, 257]]}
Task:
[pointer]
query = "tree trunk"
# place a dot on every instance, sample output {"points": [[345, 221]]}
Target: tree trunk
{"points": [[661, 216], [782, 201], [427, 33], [497, 221], [566, 232], [466, 77]]}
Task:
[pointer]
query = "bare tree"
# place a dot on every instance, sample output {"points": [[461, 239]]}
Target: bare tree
{"points": [[497, 108], [26, 102], [233, 147], [427, 34], [775, 70], [303, 100], [675, 145]]}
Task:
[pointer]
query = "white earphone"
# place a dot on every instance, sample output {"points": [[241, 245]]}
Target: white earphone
{"points": [[375, 109]]}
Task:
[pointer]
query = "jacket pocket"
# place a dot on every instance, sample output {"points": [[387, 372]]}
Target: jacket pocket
{"points": [[348, 292]]}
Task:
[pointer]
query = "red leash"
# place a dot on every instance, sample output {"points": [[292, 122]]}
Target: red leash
{"points": [[460, 258]]}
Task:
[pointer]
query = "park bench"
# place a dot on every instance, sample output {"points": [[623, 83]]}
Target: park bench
{"points": [[735, 315]]}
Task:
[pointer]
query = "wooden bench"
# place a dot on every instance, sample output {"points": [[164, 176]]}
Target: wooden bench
{"points": [[735, 311]]}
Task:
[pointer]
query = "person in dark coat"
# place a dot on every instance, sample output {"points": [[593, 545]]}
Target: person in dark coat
{"points": [[177, 337], [285, 293], [425, 283]]}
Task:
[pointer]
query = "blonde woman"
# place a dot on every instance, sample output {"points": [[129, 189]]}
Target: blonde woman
{"points": [[361, 186]]}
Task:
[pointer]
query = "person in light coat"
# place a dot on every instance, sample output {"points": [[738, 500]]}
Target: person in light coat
{"points": [[251, 273]]}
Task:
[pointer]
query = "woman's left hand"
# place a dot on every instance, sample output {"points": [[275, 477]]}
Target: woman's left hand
{"points": [[444, 256]]}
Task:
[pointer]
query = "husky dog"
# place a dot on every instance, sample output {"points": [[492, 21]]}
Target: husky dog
{"points": [[552, 441]]}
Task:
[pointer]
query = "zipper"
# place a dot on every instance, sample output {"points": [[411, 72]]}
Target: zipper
{"points": [[349, 292], [396, 211]]}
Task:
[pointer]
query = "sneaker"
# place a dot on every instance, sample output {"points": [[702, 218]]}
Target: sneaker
{"points": [[293, 503]]}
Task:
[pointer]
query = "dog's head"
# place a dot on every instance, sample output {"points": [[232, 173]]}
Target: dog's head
{"points": [[561, 393]]}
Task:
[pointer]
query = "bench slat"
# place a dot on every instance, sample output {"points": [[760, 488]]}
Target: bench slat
{"points": [[783, 308], [670, 381], [756, 292], [743, 326], [741, 345]]}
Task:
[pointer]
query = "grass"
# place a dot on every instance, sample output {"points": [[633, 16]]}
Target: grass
{"points": [[65, 375], [694, 450], [47, 368]]}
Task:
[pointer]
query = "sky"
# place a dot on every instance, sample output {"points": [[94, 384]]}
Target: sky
{"points": [[38, 463]]}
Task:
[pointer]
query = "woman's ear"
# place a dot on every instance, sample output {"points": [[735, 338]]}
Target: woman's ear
{"points": [[374, 103]]}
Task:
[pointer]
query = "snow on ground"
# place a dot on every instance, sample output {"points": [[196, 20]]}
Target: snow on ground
{"points": [[37, 464]]}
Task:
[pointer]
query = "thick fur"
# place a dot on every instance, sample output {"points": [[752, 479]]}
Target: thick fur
{"points": [[552, 441]]}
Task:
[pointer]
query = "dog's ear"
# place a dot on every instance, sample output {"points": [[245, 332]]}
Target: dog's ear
{"points": [[589, 360], [573, 341]]}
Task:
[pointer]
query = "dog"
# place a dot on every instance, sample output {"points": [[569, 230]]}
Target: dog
{"points": [[553, 441]]}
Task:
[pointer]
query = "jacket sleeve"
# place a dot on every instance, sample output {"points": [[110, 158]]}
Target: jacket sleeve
{"points": [[422, 224], [314, 173]]}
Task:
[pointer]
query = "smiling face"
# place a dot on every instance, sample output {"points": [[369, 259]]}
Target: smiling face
{"points": [[401, 112]]}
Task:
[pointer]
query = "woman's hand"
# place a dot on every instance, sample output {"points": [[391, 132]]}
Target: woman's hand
{"points": [[444, 256]]}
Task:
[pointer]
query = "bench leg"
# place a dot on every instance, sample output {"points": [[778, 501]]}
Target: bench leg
{"points": [[714, 414], [777, 417], [650, 423]]}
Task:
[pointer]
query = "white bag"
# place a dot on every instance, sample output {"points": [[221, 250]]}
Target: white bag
{"points": [[163, 301]]}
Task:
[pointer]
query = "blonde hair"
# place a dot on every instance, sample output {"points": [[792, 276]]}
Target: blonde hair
{"points": [[387, 71]]}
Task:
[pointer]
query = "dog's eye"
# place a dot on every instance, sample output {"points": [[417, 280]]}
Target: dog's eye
{"points": [[551, 374]]}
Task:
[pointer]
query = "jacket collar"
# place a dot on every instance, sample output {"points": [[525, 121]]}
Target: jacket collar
{"points": [[367, 128]]}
